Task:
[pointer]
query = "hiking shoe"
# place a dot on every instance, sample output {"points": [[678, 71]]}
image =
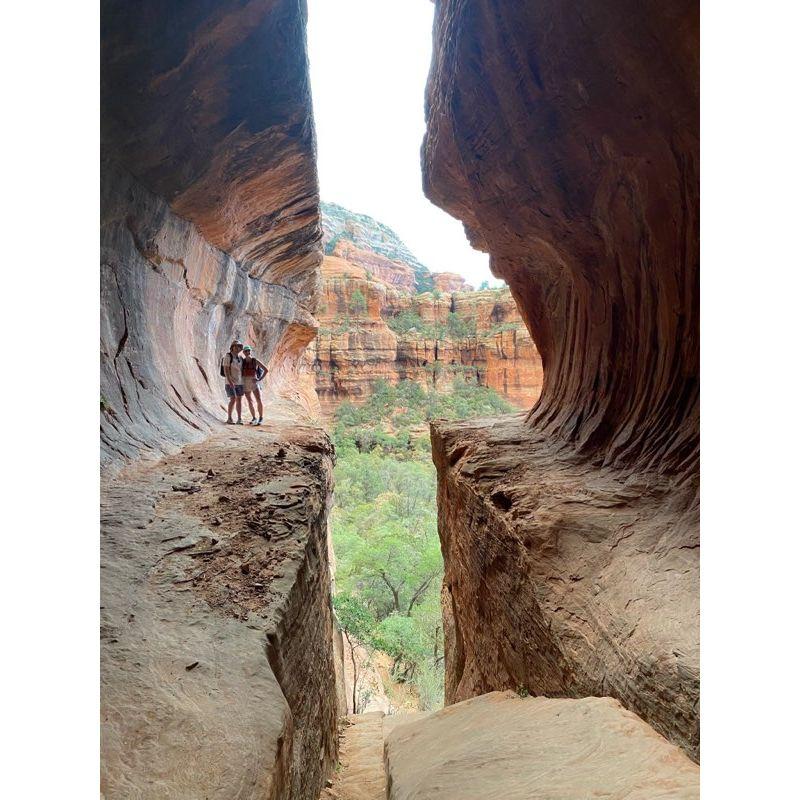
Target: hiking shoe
{"points": [[239, 422], [229, 422], [260, 420]]}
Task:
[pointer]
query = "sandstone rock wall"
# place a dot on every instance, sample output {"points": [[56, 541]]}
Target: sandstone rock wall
{"points": [[217, 674], [218, 660], [209, 212], [170, 305], [566, 138], [356, 345]]}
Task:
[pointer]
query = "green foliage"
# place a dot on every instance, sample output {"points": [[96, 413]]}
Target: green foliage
{"points": [[407, 321], [504, 326], [354, 616], [389, 562], [484, 285], [459, 327], [385, 420], [456, 326], [358, 303]]}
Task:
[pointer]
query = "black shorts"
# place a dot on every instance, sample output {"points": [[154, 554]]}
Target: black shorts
{"points": [[234, 391]]}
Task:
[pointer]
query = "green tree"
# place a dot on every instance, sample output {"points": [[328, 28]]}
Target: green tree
{"points": [[358, 625], [358, 303], [384, 524]]}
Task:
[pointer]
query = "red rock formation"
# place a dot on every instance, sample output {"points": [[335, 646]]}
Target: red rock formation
{"points": [[356, 347], [382, 269], [210, 230], [566, 139], [450, 282], [210, 222]]}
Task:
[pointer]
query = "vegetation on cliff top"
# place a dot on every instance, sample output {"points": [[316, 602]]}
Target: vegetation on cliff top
{"points": [[368, 234], [389, 564], [456, 326]]}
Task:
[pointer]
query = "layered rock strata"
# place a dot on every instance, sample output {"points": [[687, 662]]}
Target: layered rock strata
{"points": [[209, 211], [362, 240], [503, 747], [217, 673], [567, 141], [357, 346]]}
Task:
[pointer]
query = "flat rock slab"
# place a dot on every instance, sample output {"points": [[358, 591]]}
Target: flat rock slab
{"points": [[216, 671], [500, 746]]}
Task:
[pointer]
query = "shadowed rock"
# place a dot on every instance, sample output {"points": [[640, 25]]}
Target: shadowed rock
{"points": [[566, 138], [209, 212]]}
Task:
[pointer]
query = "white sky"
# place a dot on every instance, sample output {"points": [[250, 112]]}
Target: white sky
{"points": [[369, 63]]}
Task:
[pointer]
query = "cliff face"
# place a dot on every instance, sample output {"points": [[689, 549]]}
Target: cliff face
{"points": [[566, 139], [364, 336], [217, 666], [209, 212], [362, 240]]}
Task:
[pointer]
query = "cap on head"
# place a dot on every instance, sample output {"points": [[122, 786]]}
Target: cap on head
{"points": [[247, 348]]}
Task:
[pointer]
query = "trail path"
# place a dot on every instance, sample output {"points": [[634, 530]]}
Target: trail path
{"points": [[361, 774]]}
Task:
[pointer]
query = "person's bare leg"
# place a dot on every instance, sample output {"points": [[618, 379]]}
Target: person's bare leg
{"points": [[249, 396], [238, 408], [231, 404], [257, 393]]}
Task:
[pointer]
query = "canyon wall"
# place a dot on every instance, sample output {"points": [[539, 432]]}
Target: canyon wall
{"points": [[567, 141], [218, 671], [376, 324], [359, 341], [209, 212]]}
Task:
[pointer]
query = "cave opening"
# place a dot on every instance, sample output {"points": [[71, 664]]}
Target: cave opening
{"points": [[567, 537], [413, 327]]}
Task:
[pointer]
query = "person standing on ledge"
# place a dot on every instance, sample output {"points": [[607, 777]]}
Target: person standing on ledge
{"points": [[231, 370], [252, 373]]}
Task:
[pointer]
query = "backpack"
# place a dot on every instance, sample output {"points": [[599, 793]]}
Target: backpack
{"points": [[222, 366], [260, 373]]}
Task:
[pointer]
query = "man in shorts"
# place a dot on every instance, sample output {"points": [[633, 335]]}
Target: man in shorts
{"points": [[234, 386]]}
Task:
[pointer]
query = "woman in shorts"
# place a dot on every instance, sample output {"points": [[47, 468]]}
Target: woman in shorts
{"points": [[252, 373]]}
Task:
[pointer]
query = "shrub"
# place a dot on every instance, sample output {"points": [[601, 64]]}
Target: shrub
{"points": [[358, 303], [459, 327]]}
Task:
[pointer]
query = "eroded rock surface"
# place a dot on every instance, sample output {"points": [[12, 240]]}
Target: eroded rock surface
{"points": [[209, 212], [566, 138], [216, 666], [503, 747], [566, 581]]}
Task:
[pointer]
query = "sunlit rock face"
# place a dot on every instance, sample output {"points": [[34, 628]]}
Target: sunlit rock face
{"points": [[450, 282], [209, 214], [566, 138], [356, 345]]}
